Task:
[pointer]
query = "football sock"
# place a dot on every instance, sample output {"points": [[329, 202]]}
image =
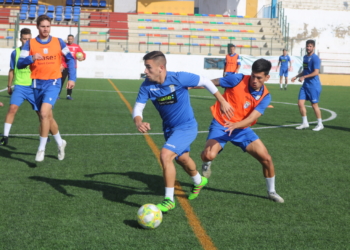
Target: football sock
{"points": [[319, 120], [305, 120], [7, 128], [270, 184], [169, 192], [197, 179], [69, 92], [42, 144], [280, 85], [58, 138], [285, 85]]}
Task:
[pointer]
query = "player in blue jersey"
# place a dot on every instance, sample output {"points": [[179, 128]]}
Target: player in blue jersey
{"points": [[168, 92], [43, 54], [311, 88], [283, 60], [22, 91]]}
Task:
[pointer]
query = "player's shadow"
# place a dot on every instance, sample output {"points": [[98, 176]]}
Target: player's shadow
{"points": [[4, 152], [110, 191], [337, 128]]}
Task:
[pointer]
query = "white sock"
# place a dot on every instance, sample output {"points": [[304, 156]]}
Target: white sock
{"points": [[42, 144], [58, 138], [280, 85], [319, 121], [270, 184], [197, 179], [7, 128], [169, 193], [285, 85], [305, 120]]}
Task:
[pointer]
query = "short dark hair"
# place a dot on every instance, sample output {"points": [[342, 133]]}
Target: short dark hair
{"points": [[312, 42], [284, 50], [25, 31], [156, 56], [42, 18], [70, 35], [261, 65]]}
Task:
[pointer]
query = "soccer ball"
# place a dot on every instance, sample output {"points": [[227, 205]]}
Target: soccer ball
{"points": [[79, 55], [149, 216]]}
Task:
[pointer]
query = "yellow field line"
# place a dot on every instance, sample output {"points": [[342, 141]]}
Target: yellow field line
{"points": [[194, 222]]}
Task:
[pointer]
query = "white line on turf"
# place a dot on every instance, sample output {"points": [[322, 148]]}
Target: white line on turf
{"points": [[3, 90], [332, 117]]}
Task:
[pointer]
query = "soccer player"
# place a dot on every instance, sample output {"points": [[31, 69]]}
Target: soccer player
{"points": [[232, 62], [283, 60], [249, 98], [311, 88], [43, 54], [168, 92], [20, 78], [73, 48]]}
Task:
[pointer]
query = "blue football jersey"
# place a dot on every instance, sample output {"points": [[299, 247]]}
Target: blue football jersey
{"points": [[310, 63], [284, 61], [171, 98]]}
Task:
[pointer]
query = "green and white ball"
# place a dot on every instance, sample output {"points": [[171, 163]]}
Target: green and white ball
{"points": [[149, 216]]}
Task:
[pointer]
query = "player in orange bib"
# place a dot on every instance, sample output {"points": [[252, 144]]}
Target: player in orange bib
{"points": [[43, 54], [249, 98]]}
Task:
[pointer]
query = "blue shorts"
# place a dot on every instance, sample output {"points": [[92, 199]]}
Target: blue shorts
{"points": [[20, 94], [310, 94], [178, 140], [239, 137], [284, 72], [49, 94]]}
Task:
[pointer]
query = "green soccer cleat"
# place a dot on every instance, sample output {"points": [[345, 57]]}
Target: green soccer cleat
{"points": [[197, 188], [4, 141], [166, 205]]}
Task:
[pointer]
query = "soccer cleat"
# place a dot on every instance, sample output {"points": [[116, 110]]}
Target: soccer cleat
{"points": [[40, 155], [61, 150], [206, 171], [302, 126], [69, 97], [275, 197], [318, 127], [4, 141], [166, 205], [197, 188]]}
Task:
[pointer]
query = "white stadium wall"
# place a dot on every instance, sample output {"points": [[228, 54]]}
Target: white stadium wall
{"points": [[116, 65], [231, 7], [125, 6]]}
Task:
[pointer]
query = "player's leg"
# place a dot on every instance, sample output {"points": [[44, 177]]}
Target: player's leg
{"points": [[17, 98], [285, 79], [169, 174], [314, 94], [211, 150], [186, 162], [69, 94], [47, 123], [63, 79], [216, 141], [10, 116], [258, 150], [301, 104], [281, 79]]}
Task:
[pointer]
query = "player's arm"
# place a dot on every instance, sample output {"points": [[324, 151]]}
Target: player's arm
{"points": [[298, 76], [223, 74], [244, 123], [11, 72], [24, 58], [257, 112], [209, 85], [279, 62], [238, 64], [142, 127], [70, 61]]}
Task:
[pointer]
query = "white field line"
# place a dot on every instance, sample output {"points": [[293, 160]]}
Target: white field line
{"points": [[332, 117]]}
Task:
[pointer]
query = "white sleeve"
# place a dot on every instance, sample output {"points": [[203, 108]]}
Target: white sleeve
{"points": [[206, 83], [138, 109]]}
